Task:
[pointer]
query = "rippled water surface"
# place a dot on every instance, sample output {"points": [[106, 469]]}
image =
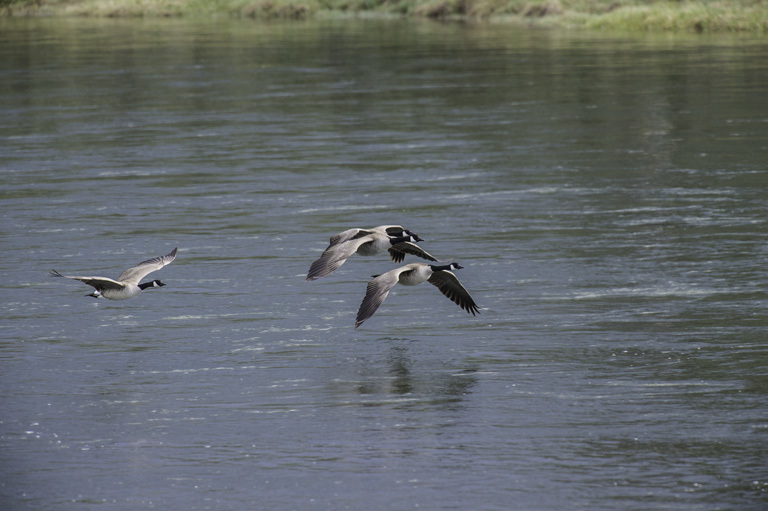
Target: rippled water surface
{"points": [[607, 197]]}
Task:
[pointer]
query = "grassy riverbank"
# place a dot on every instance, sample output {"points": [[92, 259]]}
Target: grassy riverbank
{"points": [[647, 15]]}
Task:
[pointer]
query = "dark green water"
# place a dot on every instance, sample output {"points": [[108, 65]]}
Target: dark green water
{"points": [[606, 195]]}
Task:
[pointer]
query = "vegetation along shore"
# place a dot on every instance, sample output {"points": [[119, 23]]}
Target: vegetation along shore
{"points": [[647, 15]]}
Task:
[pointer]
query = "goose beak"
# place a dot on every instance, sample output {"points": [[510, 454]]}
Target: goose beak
{"points": [[417, 237]]}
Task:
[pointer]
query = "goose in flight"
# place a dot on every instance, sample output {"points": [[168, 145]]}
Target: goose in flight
{"points": [[127, 284], [412, 275], [367, 242]]}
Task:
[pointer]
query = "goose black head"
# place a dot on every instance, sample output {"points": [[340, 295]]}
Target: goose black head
{"points": [[405, 238], [154, 283], [414, 237], [446, 267]]}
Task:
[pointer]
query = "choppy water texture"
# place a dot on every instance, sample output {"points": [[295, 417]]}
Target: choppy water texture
{"points": [[606, 195]]}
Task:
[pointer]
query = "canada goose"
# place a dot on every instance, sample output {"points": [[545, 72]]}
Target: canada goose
{"points": [[411, 275], [367, 242], [389, 230], [127, 284]]}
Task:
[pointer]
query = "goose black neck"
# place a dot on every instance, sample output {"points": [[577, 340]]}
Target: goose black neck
{"points": [[436, 267], [145, 285], [394, 240]]}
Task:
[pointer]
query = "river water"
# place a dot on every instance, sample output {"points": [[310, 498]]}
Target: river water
{"points": [[606, 194]]}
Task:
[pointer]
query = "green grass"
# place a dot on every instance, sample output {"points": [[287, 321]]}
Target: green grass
{"points": [[628, 15]]}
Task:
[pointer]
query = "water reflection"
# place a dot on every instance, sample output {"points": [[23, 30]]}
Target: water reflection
{"points": [[406, 382]]}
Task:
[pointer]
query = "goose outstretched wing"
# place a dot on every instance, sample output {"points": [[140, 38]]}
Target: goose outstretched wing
{"points": [[450, 286], [398, 250], [98, 283], [375, 294], [144, 268], [333, 257]]}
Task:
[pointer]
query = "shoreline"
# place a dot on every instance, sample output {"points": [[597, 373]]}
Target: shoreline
{"points": [[745, 16]]}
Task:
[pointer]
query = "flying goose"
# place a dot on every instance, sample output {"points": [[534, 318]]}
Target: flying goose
{"points": [[367, 242], [411, 275], [389, 230], [127, 284]]}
